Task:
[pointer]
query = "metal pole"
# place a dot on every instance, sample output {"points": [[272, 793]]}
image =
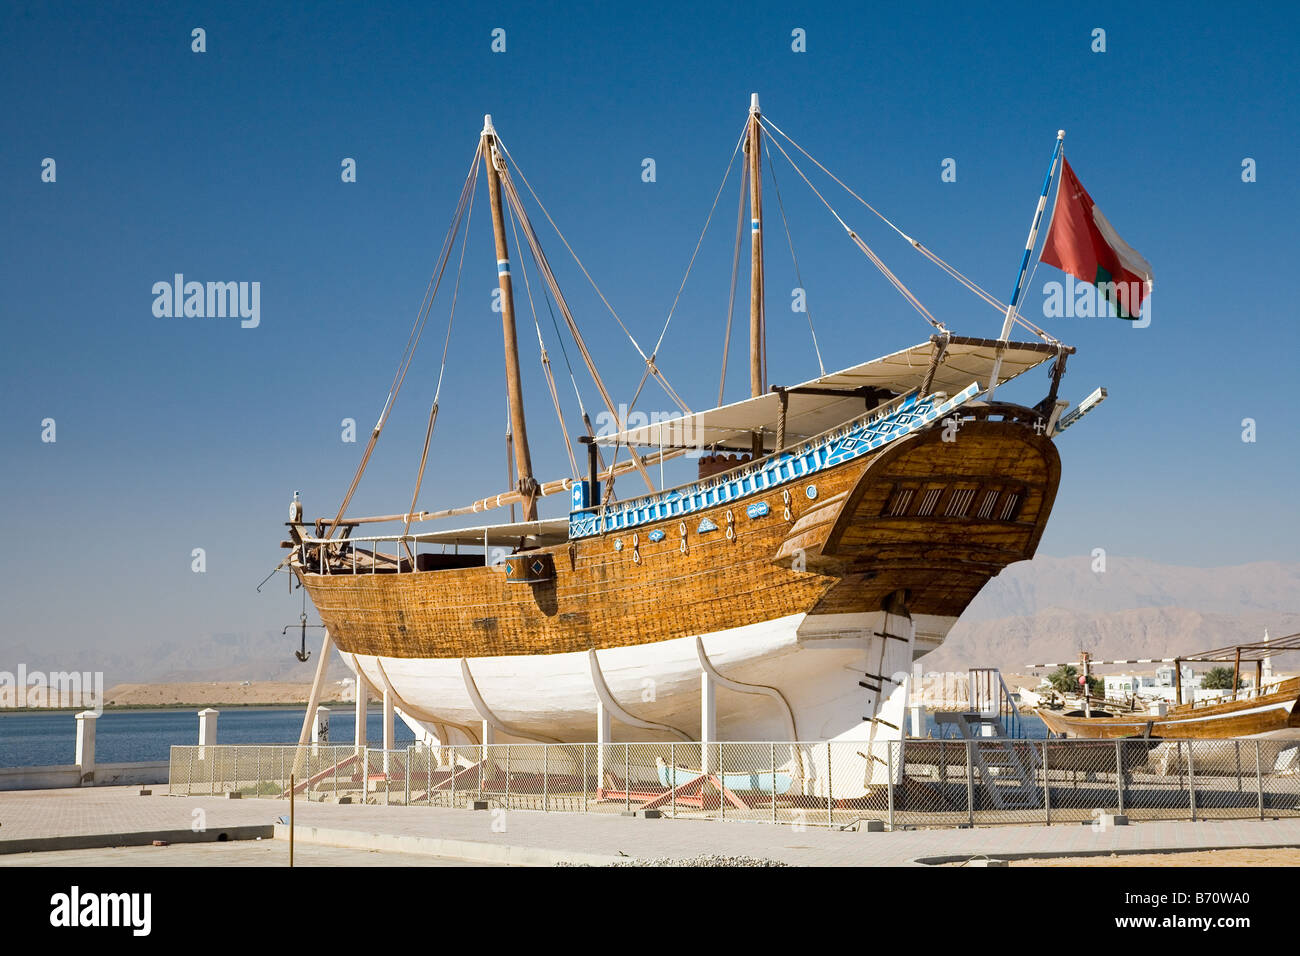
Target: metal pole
{"points": [[1191, 781], [584, 778], [721, 768], [546, 777], [410, 757], [771, 747], [507, 775], [889, 783], [1259, 781], [291, 827], [627, 776], [1024, 260], [830, 812], [1119, 773], [672, 777], [970, 782], [1047, 789]]}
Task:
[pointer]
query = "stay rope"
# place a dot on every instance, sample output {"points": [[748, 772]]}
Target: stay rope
{"points": [[969, 283], [413, 340], [771, 168], [649, 360], [446, 342]]}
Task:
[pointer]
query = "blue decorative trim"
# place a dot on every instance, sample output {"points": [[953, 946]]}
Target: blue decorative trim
{"points": [[861, 437], [811, 491], [618, 544], [706, 525], [757, 510], [503, 267], [657, 534]]}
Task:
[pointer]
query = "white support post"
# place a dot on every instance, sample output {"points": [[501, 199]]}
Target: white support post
{"points": [[708, 718], [389, 736], [363, 698], [207, 730], [86, 746], [602, 741], [320, 728]]}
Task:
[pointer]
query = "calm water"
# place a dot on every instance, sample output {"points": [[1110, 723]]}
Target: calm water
{"points": [[36, 739]]}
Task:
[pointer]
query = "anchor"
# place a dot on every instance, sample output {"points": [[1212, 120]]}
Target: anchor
{"points": [[302, 653]]}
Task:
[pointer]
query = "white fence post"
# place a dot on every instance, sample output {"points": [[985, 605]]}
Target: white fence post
{"points": [[207, 730], [86, 747]]}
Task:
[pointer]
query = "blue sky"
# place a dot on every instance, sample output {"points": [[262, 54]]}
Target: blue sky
{"points": [[179, 433]]}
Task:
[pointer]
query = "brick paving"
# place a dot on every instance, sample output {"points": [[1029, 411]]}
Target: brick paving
{"points": [[109, 810]]}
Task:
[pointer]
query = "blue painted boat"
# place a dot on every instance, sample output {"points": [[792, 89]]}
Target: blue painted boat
{"points": [[764, 782]]}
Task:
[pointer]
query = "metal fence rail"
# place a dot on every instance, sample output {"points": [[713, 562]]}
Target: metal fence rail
{"points": [[931, 782]]}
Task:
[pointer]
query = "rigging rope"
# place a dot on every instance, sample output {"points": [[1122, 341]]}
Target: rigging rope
{"points": [[867, 250], [970, 284], [718, 195], [771, 168], [412, 342], [541, 345], [649, 360], [544, 266], [446, 342], [735, 274]]}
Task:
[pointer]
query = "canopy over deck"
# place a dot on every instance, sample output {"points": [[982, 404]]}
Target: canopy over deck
{"points": [[822, 403]]}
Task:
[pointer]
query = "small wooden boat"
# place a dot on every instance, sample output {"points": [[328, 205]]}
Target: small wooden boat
{"points": [[1242, 713], [777, 782]]}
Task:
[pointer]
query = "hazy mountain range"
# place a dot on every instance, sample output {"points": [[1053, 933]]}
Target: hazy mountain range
{"points": [[1048, 609], [1043, 610]]}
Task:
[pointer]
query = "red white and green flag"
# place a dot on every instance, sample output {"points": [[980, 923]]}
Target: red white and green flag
{"points": [[1083, 243]]}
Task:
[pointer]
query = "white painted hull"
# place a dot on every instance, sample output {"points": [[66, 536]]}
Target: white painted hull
{"points": [[814, 663]]}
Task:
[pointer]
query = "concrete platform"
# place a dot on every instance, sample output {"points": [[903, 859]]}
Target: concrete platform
{"points": [[108, 817]]}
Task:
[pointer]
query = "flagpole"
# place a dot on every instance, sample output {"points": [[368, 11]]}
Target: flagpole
{"points": [[1024, 260]]}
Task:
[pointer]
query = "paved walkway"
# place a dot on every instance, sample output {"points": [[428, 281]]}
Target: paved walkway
{"points": [[242, 853], [36, 814]]}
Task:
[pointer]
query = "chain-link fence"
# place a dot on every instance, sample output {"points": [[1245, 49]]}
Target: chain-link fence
{"points": [[921, 782]]}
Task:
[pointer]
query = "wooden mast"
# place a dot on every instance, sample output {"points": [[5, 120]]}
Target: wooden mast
{"points": [[757, 346], [527, 484]]}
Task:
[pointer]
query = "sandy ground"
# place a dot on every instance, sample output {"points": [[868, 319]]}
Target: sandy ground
{"points": [[1280, 856], [217, 693]]}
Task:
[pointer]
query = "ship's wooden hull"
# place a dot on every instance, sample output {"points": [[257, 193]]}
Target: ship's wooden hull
{"points": [[1240, 718], [795, 599]]}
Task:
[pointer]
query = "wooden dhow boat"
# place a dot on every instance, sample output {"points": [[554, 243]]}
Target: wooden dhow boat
{"points": [[1266, 707], [835, 531]]}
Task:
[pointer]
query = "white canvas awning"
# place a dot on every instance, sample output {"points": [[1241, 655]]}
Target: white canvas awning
{"points": [[813, 407]]}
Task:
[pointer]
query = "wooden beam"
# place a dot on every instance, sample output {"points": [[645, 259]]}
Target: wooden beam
{"points": [[526, 483], [754, 149]]}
